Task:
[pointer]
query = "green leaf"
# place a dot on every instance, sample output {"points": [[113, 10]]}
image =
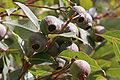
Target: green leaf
{"points": [[6, 63], [40, 72], [39, 58], [86, 4], [5, 71], [114, 70], [21, 43], [83, 56], [103, 63], [66, 3], [24, 28], [30, 15], [106, 52], [114, 37], [116, 47], [28, 76], [69, 35], [111, 23], [11, 10], [99, 77], [26, 24], [3, 46], [13, 75]]}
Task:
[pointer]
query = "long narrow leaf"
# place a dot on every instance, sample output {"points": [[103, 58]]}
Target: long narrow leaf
{"points": [[30, 14]]}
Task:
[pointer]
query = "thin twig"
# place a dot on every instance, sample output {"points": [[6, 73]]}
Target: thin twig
{"points": [[32, 1], [114, 15], [58, 72], [25, 68], [63, 28], [5, 14], [108, 12], [47, 7]]}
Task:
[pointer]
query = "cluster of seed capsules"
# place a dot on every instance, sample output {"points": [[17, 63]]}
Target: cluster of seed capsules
{"points": [[52, 25]]}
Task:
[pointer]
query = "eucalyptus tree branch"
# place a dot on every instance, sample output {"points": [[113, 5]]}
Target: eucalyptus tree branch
{"points": [[107, 13], [5, 14], [63, 70], [47, 7]]}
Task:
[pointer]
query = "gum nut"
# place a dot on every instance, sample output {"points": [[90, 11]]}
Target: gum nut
{"points": [[99, 29], [69, 46], [3, 31], [38, 41], [79, 9], [73, 47], [72, 28], [80, 68], [80, 13], [61, 62], [88, 18], [92, 11], [50, 24]]}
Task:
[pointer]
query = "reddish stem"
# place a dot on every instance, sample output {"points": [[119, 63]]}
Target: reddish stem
{"points": [[105, 14]]}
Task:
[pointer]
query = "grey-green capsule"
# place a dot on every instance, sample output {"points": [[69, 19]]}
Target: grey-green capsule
{"points": [[69, 46], [3, 31], [80, 13], [38, 42], [80, 69], [50, 24], [72, 28], [87, 23], [99, 30]]}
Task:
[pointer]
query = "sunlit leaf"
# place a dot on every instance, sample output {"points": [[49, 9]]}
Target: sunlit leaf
{"points": [[116, 47], [3, 46], [40, 72], [86, 3], [105, 52], [80, 55], [40, 58], [11, 10], [27, 24], [30, 15], [114, 70], [69, 35], [66, 2], [103, 63], [99, 77], [114, 37]]}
